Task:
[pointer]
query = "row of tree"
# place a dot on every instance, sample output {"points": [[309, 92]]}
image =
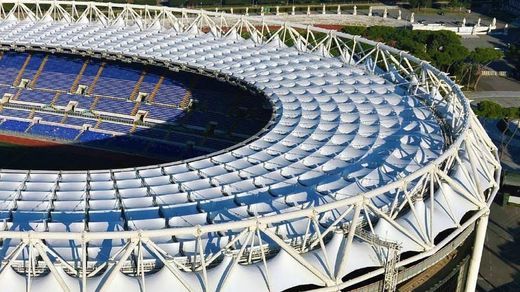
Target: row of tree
{"points": [[492, 110], [442, 48], [513, 55], [429, 3]]}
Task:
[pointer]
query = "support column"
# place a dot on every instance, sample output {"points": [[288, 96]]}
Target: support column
{"points": [[461, 277], [476, 255]]}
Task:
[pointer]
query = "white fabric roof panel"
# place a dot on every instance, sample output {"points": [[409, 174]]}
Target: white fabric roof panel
{"points": [[335, 126]]}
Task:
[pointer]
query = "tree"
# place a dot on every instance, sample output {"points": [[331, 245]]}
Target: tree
{"points": [[485, 56], [354, 30], [489, 109], [492, 110], [381, 33], [445, 49], [513, 54], [448, 55], [420, 3], [481, 57]]}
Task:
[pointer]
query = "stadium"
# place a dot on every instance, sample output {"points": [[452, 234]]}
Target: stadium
{"points": [[248, 154]]}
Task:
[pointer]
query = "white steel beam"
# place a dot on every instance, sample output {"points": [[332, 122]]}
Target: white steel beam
{"points": [[476, 255]]}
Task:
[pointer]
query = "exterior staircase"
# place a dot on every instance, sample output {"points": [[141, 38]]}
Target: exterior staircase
{"points": [[32, 113], [29, 128], [99, 121], [75, 84], [39, 71], [134, 127], [137, 86], [55, 98], [17, 94], [96, 78], [77, 136], [22, 70], [156, 88], [94, 104], [136, 108], [185, 100], [65, 116]]}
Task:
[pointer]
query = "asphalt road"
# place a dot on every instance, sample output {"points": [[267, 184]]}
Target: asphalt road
{"points": [[504, 98], [500, 266], [492, 94]]}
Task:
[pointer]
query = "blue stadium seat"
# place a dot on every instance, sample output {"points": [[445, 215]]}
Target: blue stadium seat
{"points": [[53, 131], [15, 126], [89, 136]]}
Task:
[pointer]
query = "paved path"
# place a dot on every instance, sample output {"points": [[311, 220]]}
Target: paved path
{"points": [[491, 94], [500, 266], [504, 98], [335, 19]]}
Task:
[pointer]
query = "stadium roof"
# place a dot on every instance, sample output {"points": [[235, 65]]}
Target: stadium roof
{"points": [[354, 145]]}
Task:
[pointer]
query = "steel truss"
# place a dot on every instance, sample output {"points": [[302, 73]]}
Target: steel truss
{"points": [[469, 150]]}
